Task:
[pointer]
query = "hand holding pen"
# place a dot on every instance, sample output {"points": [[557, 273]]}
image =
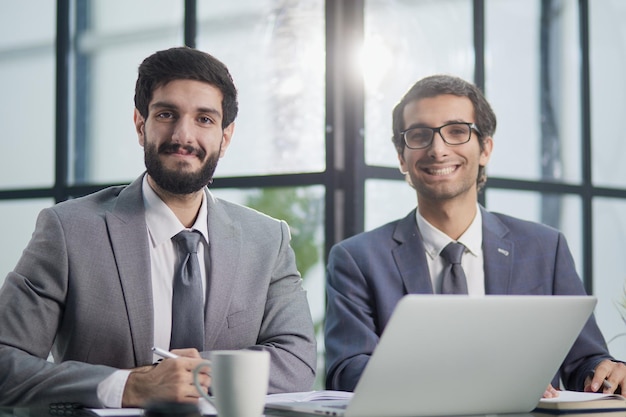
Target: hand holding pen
{"points": [[164, 353], [595, 384], [169, 380]]}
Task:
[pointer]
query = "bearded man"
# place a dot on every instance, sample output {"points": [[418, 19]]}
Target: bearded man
{"points": [[108, 276]]}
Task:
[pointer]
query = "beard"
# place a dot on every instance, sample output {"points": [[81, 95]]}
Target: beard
{"points": [[178, 181]]}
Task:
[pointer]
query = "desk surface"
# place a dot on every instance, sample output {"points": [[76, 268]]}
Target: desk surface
{"points": [[46, 412]]}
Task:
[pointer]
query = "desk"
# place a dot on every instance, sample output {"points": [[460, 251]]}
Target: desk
{"points": [[32, 412], [45, 412]]}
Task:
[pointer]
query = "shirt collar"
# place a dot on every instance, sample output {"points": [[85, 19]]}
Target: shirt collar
{"points": [[435, 240], [162, 222]]}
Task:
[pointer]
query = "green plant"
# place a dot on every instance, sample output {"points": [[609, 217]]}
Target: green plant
{"points": [[301, 208]]}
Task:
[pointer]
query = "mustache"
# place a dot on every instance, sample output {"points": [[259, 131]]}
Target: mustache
{"points": [[170, 147]]}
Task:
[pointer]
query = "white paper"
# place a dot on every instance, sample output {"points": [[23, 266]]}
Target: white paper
{"points": [[207, 408]]}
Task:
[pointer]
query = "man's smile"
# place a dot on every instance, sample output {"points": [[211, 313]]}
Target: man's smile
{"points": [[182, 150], [441, 170]]}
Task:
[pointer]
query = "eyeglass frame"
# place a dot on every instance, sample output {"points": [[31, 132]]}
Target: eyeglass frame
{"points": [[438, 130]]}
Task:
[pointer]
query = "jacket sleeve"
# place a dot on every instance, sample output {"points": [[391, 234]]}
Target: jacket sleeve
{"points": [[287, 328], [32, 299], [590, 348], [350, 329]]}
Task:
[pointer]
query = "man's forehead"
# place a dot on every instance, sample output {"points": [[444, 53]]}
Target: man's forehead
{"points": [[446, 107], [197, 95]]}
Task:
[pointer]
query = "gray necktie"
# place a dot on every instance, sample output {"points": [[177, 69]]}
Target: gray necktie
{"points": [[187, 300], [453, 281]]}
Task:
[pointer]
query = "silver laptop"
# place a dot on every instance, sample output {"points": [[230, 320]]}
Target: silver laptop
{"points": [[457, 355]]}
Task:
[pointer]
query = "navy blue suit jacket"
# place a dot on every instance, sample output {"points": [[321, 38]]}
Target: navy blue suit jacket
{"points": [[367, 275]]}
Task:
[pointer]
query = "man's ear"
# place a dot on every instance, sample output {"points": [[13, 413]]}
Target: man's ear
{"points": [[485, 154], [403, 168], [140, 126], [227, 135]]}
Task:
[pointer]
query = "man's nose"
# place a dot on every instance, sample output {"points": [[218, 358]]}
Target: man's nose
{"points": [[438, 145], [183, 131]]}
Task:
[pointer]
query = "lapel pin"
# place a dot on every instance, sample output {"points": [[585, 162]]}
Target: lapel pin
{"points": [[503, 251]]}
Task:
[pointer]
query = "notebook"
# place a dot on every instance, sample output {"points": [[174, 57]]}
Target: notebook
{"points": [[457, 355]]}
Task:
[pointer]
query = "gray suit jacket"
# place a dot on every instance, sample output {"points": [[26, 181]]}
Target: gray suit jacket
{"points": [[82, 289], [367, 275]]}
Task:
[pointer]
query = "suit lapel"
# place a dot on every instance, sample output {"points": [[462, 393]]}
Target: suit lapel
{"points": [[498, 252], [128, 234], [410, 257], [225, 240]]}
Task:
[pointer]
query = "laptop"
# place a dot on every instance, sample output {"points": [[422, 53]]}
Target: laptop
{"points": [[457, 355]]}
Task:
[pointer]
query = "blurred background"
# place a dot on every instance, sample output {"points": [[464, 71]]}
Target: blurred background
{"points": [[317, 83]]}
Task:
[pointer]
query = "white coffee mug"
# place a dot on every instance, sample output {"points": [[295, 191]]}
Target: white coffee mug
{"points": [[239, 381]]}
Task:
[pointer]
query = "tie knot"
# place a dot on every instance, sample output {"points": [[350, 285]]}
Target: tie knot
{"points": [[188, 240], [453, 252]]}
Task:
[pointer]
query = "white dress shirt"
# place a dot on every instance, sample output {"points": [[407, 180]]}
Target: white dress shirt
{"points": [[472, 261], [162, 225]]}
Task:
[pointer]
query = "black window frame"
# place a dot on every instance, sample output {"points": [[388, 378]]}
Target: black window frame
{"points": [[346, 171]]}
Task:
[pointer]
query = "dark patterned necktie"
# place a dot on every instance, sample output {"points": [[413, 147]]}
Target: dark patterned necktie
{"points": [[187, 300], [453, 281]]}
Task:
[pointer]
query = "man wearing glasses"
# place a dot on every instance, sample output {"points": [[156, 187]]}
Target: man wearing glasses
{"points": [[442, 131]]}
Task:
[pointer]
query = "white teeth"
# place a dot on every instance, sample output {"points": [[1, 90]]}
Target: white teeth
{"points": [[442, 171]]}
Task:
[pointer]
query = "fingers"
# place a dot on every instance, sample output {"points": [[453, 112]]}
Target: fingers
{"points": [[188, 353], [595, 381], [608, 378], [550, 392], [178, 375], [616, 378], [185, 363], [205, 382], [170, 380]]}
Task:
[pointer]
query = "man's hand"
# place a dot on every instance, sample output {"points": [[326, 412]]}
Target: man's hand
{"points": [[608, 377], [170, 380], [550, 392]]}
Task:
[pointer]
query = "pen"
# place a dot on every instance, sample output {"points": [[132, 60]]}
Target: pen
{"points": [[164, 353]]}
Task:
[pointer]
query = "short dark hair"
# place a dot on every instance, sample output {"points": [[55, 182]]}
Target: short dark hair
{"points": [[184, 63], [436, 85]]}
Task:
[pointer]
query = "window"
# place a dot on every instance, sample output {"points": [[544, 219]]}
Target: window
{"points": [[317, 82]]}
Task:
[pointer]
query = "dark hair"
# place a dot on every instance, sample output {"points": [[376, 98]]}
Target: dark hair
{"points": [[184, 63], [436, 85]]}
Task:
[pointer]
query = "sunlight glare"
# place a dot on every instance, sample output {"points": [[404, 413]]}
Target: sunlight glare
{"points": [[374, 62]]}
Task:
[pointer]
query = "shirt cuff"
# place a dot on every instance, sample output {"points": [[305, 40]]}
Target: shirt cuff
{"points": [[111, 389]]}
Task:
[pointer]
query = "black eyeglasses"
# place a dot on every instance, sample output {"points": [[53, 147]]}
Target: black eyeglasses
{"points": [[451, 133]]}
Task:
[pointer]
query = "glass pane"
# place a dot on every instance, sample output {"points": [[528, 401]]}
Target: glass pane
{"points": [[609, 263], [303, 209], [19, 26], [607, 34], [275, 52], [406, 40], [563, 212], [378, 194], [17, 222], [110, 51], [27, 80], [538, 134]]}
